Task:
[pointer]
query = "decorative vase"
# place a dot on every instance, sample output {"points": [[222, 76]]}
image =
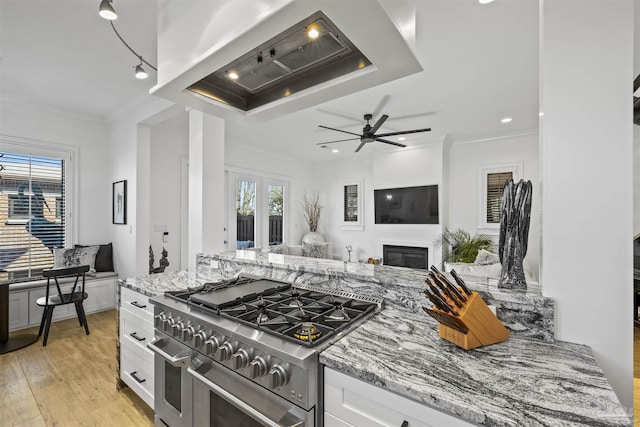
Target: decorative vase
{"points": [[313, 237]]}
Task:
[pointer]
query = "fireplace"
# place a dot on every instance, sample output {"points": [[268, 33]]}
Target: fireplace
{"points": [[405, 256]]}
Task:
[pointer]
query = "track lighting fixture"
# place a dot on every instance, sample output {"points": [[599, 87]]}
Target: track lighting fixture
{"points": [[140, 72], [107, 11]]}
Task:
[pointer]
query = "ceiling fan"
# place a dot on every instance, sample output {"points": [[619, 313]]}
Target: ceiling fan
{"points": [[369, 133]]}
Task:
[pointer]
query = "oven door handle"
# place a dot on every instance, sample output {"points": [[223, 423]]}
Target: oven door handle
{"points": [[246, 408], [180, 359]]}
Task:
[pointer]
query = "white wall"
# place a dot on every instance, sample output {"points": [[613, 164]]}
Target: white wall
{"points": [[51, 128], [123, 156], [587, 165], [388, 169], [636, 179], [168, 146], [240, 158], [465, 161]]}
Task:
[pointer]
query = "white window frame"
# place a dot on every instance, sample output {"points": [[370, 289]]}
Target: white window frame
{"points": [[352, 225], [516, 170], [68, 153]]}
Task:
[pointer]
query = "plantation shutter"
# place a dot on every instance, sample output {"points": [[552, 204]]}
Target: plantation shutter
{"points": [[350, 207], [32, 214], [495, 186]]}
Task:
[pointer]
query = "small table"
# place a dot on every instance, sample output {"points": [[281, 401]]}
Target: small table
{"points": [[8, 344]]}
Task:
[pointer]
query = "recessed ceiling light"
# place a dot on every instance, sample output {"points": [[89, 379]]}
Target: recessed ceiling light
{"points": [[313, 33], [402, 138], [541, 114], [506, 120], [233, 75], [484, 1], [335, 150]]}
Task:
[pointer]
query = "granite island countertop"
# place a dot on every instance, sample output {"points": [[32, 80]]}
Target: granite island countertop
{"points": [[156, 284], [519, 382]]}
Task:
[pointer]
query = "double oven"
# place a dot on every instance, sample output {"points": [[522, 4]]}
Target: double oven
{"points": [[249, 360]]}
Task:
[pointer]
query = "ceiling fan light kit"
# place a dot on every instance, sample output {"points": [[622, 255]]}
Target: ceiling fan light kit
{"points": [[369, 133]]}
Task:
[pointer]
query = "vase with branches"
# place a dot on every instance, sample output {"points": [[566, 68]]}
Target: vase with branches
{"points": [[462, 247], [311, 207]]}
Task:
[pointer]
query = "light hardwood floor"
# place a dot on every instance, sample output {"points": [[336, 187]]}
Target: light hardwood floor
{"points": [[70, 382]]}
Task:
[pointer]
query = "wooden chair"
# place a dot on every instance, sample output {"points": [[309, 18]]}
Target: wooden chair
{"points": [[76, 297]]}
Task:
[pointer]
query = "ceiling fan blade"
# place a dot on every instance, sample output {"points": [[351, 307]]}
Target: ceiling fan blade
{"points": [[360, 146], [379, 123], [339, 130], [405, 132], [339, 140], [341, 115], [381, 105], [386, 141]]}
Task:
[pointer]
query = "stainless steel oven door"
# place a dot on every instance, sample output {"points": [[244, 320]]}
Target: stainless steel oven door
{"points": [[172, 392], [222, 398]]}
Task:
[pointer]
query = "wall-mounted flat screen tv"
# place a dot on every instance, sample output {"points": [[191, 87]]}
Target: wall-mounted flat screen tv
{"points": [[408, 205]]}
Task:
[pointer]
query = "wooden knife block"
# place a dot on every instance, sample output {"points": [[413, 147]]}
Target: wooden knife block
{"points": [[484, 327]]}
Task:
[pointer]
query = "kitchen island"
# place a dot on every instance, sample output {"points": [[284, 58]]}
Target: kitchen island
{"points": [[523, 381]]}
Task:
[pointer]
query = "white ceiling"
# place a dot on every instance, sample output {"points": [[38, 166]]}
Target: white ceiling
{"points": [[480, 64]]}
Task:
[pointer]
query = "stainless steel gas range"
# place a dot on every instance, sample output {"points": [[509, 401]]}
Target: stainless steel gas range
{"points": [[244, 352]]}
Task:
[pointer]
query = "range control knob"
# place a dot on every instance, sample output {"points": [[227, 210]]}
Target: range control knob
{"points": [[277, 376], [212, 345], [159, 319], [240, 359], [226, 350], [167, 323], [176, 328], [199, 338], [258, 367], [188, 332]]}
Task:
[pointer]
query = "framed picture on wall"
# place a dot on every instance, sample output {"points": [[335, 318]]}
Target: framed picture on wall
{"points": [[119, 202]]}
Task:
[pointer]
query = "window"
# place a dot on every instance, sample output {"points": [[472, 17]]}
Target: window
{"points": [[33, 191], [491, 181], [351, 217]]}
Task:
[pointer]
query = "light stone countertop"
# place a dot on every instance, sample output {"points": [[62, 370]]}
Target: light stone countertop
{"points": [[520, 382]]}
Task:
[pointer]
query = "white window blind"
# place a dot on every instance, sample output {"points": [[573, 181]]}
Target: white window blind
{"points": [[32, 214], [350, 206], [495, 187]]}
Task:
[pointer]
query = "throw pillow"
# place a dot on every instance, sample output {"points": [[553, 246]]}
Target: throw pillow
{"points": [[104, 257], [485, 257], [74, 257], [315, 250], [279, 249]]}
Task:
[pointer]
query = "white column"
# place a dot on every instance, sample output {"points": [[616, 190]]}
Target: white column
{"points": [[206, 185], [586, 157], [142, 200]]}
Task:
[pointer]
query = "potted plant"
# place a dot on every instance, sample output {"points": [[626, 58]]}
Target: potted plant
{"points": [[461, 246], [311, 210]]}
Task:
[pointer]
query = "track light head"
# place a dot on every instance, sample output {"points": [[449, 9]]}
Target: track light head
{"points": [[107, 11], [140, 72]]}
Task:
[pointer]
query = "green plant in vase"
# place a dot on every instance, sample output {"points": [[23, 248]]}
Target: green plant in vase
{"points": [[462, 247]]}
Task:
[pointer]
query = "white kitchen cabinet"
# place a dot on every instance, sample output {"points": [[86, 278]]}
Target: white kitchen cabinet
{"points": [[136, 330], [349, 402]]}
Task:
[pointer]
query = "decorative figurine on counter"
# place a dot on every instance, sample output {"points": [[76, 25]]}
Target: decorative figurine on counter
{"points": [[349, 249], [164, 262], [514, 233]]}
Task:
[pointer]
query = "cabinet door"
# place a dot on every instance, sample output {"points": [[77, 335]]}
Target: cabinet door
{"points": [[18, 310], [349, 401]]}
